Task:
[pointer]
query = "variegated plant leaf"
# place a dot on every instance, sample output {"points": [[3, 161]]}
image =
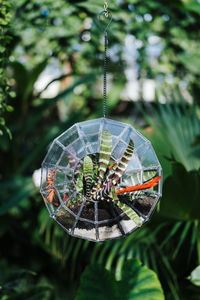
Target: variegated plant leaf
{"points": [[126, 209], [130, 213], [88, 173], [118, 170], [121, 167], [71, 156], [104, 157], [149, 174], [132, 179]]}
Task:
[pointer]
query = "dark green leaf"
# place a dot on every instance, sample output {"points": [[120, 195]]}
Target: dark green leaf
{"points": [[97, 283], [181, 192]]}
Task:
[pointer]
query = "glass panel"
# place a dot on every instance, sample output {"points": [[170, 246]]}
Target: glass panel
{"points": [[114, 141], [43, 179], [93, 148], [153, 206], [60, 178], [65, 219], [92, 143], [66, 191], [114, 127], [85, 230], [77, 149], [149, 174], [53, 154], [147, 156], [109, 231], [91, 138], [134, 163], [119, 150], [88, 211], [51, 200], [127, 135], [128, 225], [69, 136], [90, 127], [131, 178], [108, 216], [137, 138], [49, 179], [81, 153], [144, 202], [66, 160]]}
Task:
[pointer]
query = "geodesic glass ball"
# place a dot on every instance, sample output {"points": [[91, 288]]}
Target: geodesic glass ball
{"points": [[101, 180]]}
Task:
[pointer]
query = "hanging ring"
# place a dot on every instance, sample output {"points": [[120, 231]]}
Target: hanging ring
{"points": [[107, 14], [106, 9]]}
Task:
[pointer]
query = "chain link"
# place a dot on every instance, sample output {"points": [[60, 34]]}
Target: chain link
{"points": [[105, 74], [107, 14]]}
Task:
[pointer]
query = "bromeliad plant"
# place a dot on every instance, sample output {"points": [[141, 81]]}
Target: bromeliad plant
{"points": [[101, 180], [97, 177]]}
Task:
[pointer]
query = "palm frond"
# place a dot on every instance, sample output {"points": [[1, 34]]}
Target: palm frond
{"points": [[176, 125]]}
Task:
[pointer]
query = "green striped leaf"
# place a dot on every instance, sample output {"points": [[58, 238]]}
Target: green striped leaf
{"points": [[121, 167], [88, 173], [104, 157], [147, 175], [130, 213]]}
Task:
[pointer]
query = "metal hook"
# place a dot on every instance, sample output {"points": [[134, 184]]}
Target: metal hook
{"points": [[107, 13]]}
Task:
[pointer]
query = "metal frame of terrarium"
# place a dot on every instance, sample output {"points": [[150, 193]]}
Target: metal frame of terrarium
{"points": [[122, 201]]}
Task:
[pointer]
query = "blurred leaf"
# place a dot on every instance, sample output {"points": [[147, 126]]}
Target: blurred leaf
{"points": [[9, 108], [195, 276], [22, 192], [192, 5], [181, 192], [18, 284], [191, 62], [25, 78], [175, 125], [137, 282]]}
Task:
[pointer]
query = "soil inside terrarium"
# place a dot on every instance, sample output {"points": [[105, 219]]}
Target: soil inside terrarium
{"points": [[106, 212], [144, 204]]}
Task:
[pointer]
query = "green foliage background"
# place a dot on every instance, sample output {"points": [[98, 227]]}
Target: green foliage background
{"points": [[38, 260]]}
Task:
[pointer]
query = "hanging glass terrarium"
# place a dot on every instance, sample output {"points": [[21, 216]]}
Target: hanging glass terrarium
{"points": [[101, 178]]}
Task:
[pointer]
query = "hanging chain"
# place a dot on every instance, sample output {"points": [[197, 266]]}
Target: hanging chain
{"points": [[105, 74], [107, 14]]}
